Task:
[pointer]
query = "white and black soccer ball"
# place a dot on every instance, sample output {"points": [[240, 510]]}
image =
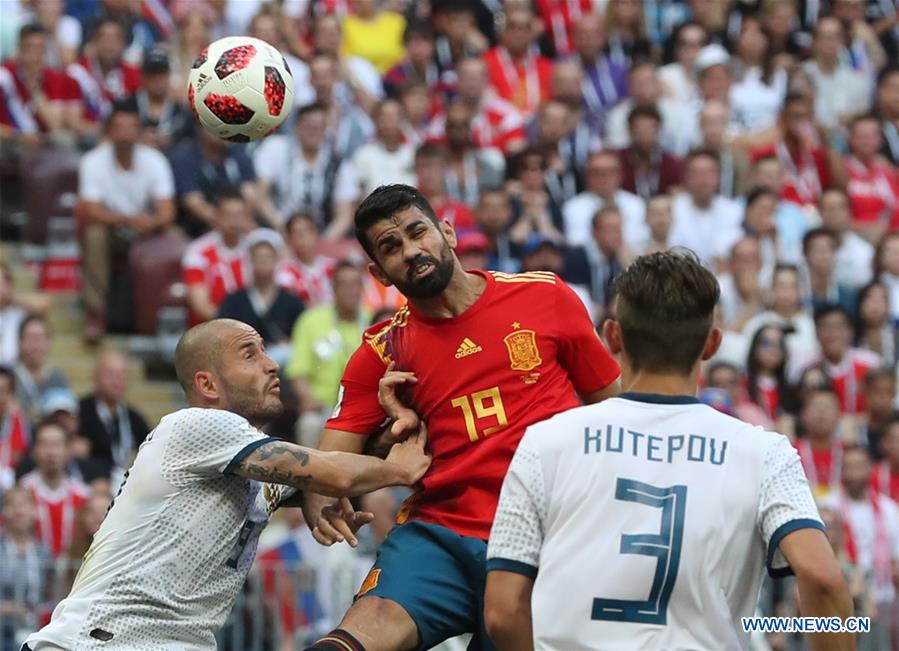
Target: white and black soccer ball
{"points": [[240, 88]]}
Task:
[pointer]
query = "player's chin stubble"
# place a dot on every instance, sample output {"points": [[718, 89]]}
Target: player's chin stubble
{"points": [[258, 408], [432, 284]]}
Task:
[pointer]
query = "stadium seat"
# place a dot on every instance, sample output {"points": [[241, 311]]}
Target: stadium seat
{"points": [[155, 267], [50, 187]]}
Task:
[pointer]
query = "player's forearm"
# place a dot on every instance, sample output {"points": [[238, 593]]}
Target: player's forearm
{"points": [[827, 597]]}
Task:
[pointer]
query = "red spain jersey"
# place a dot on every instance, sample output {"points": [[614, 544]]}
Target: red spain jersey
{"points": [[56, 510], [520, 354]]}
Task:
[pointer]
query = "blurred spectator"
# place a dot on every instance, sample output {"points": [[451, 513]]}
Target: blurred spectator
{"points": [[819, 248], [559, 19], [516, 69], [63, 30], [805, 158], [787, 312], [323, 340], [608, 255], [347, 126], [34, 375], [358, 81], [602, 181], [756, 97], [604, 80], [875, 330], [458, 37], [61, 406], [766, 365], [845, 366], [112, 428], [493, 121], [15, 438], [13, 310], [861, 49], [840, 91], [880, 409], [102, 74], [540, 253], [431, 161], [213, 265], [472, 247], [374, 34], [742, 285], [267, 25], [23, 569], [873, 188], [305, 272], [820, 448], [164, 121], [191, 37], [567, 88], [271, 311], [759, 219], [57, 495], [87, 522], [725, 377], [713, 136], [36, 100], [888, 110], [646, 91], [532, 206], [646, 168], [679, 76], [658, 222], [714, 78], [886, 269], [855, 256], [387, 159], [626, 30], [779, 20], [126, 192], [886, 476], [472, 168], [206, 166], [704, 221], [871, 536], [566, 149], [419, 107], [307, 175], [138, 33], [493, 215], [418, 65]]}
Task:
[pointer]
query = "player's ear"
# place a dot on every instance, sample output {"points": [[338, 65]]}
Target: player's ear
{"points": [[206, 386], [449, 233], [379, 274], [611, 332], [712, 344]]}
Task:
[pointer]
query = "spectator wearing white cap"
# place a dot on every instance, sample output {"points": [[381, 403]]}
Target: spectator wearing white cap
{"points": [[34, 376]]}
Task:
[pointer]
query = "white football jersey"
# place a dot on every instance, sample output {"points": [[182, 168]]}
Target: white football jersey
{"points": [[174, 550], [646, 522]]}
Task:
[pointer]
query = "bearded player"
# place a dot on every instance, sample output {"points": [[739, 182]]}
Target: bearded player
{"points": [[480, 356]]}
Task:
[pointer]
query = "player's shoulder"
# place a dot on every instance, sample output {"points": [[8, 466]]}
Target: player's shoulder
{"points": [[196, 419], [377, 337], [525, 277]]}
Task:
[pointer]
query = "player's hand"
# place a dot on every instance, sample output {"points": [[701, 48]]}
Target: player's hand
{"points": [[412, 454], [406, 421], [339, 522]]}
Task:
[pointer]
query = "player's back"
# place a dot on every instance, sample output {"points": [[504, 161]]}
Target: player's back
{"points": [[176, 545], [653, 517]]}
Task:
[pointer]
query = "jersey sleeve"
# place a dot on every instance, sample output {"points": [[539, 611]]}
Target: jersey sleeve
{"points": [[207, 443], [358, 410], [785, 503], [581, 353], [517, 533]]}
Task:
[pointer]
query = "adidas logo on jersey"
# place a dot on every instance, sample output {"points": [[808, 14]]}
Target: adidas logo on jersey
{"points": [[466, 348]]}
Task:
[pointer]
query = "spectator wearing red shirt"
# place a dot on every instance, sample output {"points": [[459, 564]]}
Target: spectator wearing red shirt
{"points": [[213, 265], [885, 478], [14, 436], [57, 495], [873, 185], [517, 71], [558, 18], [819, 447], [430, 179], [809, 167], [305, 272], [646, 168], [35, 99], [103, 76]]}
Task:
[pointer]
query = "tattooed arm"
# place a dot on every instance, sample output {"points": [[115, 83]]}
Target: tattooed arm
{"points": [[336, 473]]}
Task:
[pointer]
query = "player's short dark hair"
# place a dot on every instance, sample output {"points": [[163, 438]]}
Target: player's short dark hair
{"points": [[666, 303], [31, 29], [816, 233], [638, 112], [9, 374], [383, 203]]}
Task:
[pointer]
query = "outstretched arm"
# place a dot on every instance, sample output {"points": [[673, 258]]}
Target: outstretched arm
{"points": [[336, 474]]}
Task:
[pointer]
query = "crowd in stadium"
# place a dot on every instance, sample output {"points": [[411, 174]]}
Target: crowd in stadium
{"points": [[559, 135]]}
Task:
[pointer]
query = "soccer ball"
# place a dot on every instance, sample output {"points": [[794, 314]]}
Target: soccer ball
{"points": [[240, 88]]}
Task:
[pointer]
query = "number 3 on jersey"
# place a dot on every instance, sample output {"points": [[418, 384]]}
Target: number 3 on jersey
{"points": [[475, 407], [665, 546]]}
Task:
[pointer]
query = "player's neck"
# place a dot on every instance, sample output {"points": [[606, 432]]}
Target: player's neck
{"points": [[661, 383], [461, 293]]}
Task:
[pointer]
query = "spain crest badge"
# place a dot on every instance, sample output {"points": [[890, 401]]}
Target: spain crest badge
{"points": [[523, 352]]}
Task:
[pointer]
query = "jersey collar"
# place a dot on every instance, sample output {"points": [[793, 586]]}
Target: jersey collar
{"points": [[659, 398]]}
